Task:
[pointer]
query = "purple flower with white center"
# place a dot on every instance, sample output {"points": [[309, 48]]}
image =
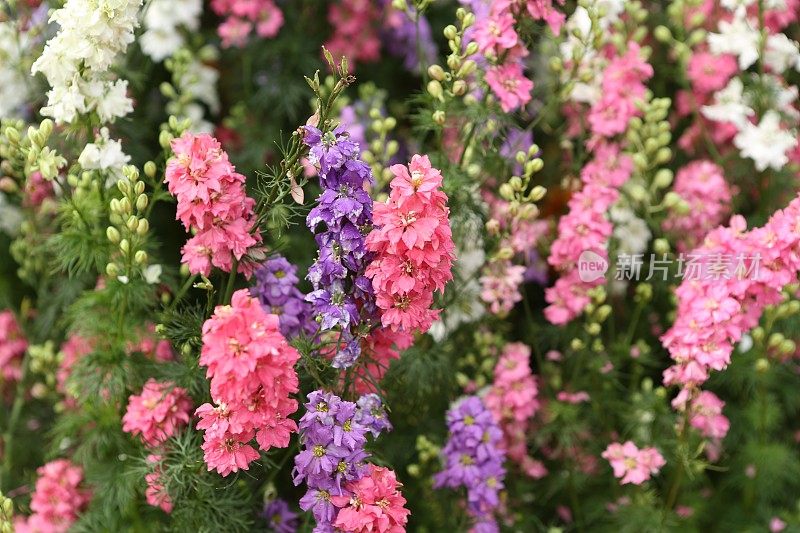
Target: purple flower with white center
{"points": [[342, 298], [333, 453], [276, 290], [372, 414], [473, 459], [280, 518]]}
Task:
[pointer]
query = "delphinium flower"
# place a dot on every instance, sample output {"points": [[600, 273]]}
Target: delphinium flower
{"points": [[279, 517], [58, 499], [355, 30], [379, 348], [342, 300], [212, 203], [155, 493], [407, 34], [513, 400], [710, 72], [473, 458], [500, 284], [333, 433], [77, 60], [585, 228], [245, 16], [37, 190], [702, 185], [622, 86], [720, 303], [413, 246], [276, 289], [704, 409], [164, 24], [73, 349], [251, 368], [632, 464], [375, 504], [157, 412], [12, 347]]}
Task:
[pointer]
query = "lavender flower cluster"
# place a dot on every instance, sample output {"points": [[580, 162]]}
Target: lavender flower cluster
{"points": [[276, 290], [400, 34], [474, 460], [342, 294], [334, 433]]}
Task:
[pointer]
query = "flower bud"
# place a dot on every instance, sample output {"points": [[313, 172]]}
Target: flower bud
{"points": [[113, 234], [112, 270], [436, 72], [140, 257], [450, 32], [143, 227], [439, 117], [459, 87], [435, 90]]}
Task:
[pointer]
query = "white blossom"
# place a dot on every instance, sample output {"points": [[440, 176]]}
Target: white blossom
{"points": [[163, 22], [738, 37], [766, 143], [93, 33], [104, 154], [781, 53], [729, 105]]}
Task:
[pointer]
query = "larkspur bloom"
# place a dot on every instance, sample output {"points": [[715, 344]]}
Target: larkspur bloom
{"points": [[413, 247], [766, 143], [276, 289], [375, 504], [585, 228], [355, 30], [279, 517], [510, 85], [407, 34], [251, 368], [263, 17], [715, 311], [632, 464], [702, 185], [12, 347], [77, 60], [157, 412], [342, 300], [333, 433], [58, 499], [212, 202], [473, 458], [163, 21], [709, 72], [513, 401], [155, 493]]}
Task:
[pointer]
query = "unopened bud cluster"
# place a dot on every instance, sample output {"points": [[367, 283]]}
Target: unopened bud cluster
{"points": [[129, 226]]}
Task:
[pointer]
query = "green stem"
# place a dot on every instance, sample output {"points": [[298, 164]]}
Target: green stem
{"points": [[16, 410], [231, 278]]}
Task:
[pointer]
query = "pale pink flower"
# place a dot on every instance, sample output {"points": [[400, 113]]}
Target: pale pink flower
{"points": [[157, 413], [510, 85]]}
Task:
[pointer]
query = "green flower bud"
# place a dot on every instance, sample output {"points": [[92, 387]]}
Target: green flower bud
{"points": [[113, 234]]}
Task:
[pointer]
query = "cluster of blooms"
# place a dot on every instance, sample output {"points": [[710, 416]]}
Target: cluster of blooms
{"points": [[342, 294], [14, 90], [714, 311], [243, 16], [402, 30], [163, 21], [512, 400], [375, 504], [705, 415], [702, 185], [76, 61], [496, 38], [585, 229], [769, 138], [333, 462], [355, 30], [502, 279], [155, 493], [212, 203], [622, 86], [631, 464], [73, 349], [381, 347], [413, 246], [57, 499], [474, 459], [12, 346], [37, 190], [251, 368], [280, 518], [157, 412], [276, 289]]}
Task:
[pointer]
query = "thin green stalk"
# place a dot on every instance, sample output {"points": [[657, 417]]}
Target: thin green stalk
{"points": [[16, 410], [231, 279]]}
